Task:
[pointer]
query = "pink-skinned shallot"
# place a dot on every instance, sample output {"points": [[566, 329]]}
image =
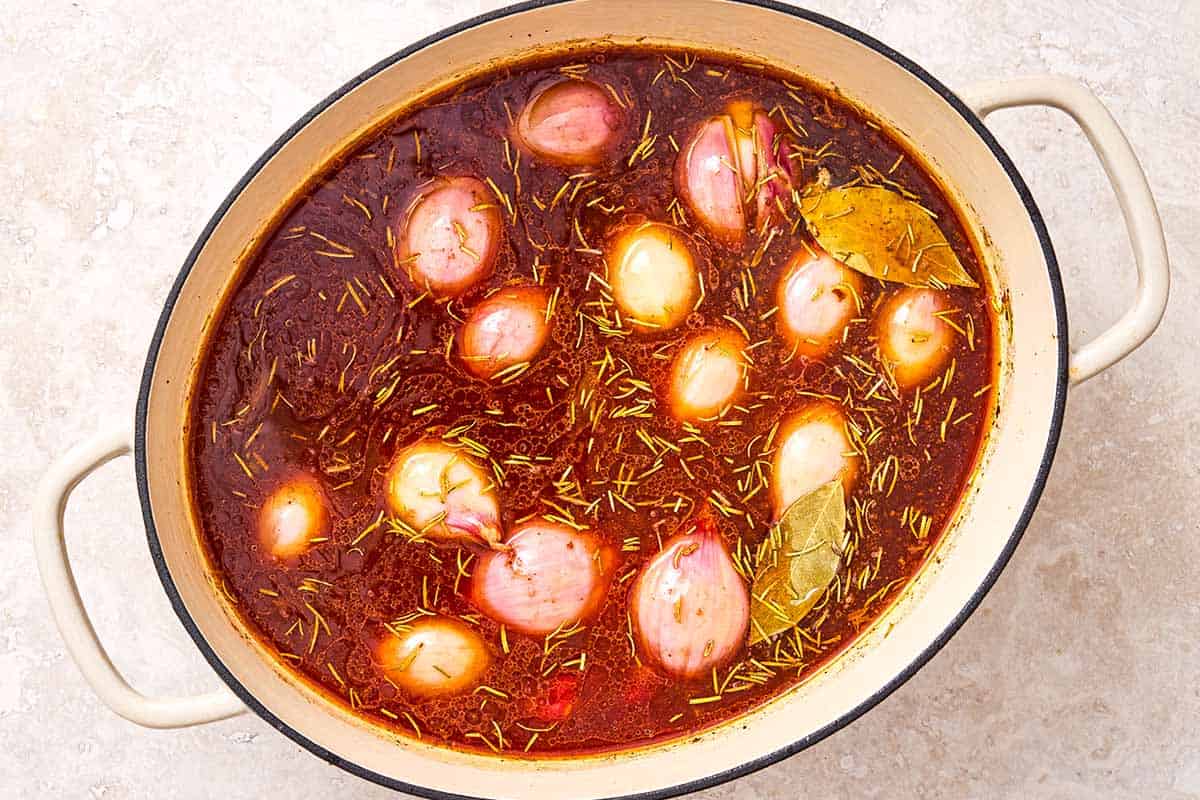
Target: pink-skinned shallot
{"points": [[570, 122], [449, 235], [733, 171], [689, 607], [442, 494], [548, 578]]}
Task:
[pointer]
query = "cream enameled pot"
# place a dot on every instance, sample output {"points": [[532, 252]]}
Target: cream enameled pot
{"points": [[1036, 368]]}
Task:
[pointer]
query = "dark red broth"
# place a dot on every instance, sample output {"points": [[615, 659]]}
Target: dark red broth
{"points": [[327, 359]]}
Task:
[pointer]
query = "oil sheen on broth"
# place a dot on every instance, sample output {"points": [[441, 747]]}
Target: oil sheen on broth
{"points": [[491, 441]]}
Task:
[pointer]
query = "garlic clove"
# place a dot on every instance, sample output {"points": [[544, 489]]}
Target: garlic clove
{"points": [[506, 329], [570, 121], [443, 494], [549, 577], [708, 374], [292, 516], [912, 338], [689, 607], [652, 272], [813, 449], [433, 656], [817, 297], [450, 235]]}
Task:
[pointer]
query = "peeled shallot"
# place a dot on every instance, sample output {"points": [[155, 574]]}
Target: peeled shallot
{"points": [[440, 493], [689, 607], [733, 170], [549, 577]]}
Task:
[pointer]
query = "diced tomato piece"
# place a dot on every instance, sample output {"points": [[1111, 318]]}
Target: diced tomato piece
{"points": [[641, 685], [560, 697]]}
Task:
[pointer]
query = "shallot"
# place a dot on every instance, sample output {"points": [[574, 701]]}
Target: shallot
{"points": [[450, 235], [549, 578], [293, 516], [433, 656], [913, 338], [653, 276], [506, 329], [708, 374], [813, 450], [817, 298], [734, 170], [440, 493], [689, 607], [570, 121]]}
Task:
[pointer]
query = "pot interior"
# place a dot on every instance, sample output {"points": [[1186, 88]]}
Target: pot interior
{"points": [[1007, 481]]}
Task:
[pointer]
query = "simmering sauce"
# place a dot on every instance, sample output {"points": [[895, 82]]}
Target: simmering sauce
{"points": [[605, 415]]}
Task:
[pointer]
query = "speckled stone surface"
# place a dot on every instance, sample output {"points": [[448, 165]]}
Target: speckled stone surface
{"points": [[123, 125]]}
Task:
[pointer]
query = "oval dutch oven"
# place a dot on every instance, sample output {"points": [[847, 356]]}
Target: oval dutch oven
{"points": [[1036, 369]]}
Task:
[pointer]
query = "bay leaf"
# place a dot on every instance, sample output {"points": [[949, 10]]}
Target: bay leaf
{"points": [[881, 233], [798, 561]]}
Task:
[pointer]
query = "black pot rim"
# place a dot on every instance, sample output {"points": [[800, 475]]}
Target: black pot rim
{"points": [[756, 764]]}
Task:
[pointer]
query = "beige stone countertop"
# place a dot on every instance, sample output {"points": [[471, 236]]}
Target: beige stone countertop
{"points": [[124, 124]]}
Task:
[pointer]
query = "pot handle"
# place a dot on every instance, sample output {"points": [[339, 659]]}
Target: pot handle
{"points": [[68, 609], [1133, 194]]}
